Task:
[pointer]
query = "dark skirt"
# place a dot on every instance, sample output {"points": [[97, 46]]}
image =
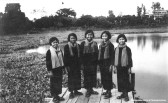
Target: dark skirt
{"points": [[123, 79], [90, 76], [106, 77], [56, 81], [74, 78]]}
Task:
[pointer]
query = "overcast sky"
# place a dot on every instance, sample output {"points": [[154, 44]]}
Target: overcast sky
{"points": [[91, 7]]}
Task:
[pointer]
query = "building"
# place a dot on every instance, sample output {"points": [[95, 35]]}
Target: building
{"points": [[159, 13], [12, 7]]}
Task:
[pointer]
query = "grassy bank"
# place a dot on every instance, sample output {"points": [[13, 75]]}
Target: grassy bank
{"points": [[141, 30], [23, 75], [127, 30]]}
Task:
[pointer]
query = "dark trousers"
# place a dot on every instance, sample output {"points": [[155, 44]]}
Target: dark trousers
{"points": [[56, 81], [74, 78], [90, 76], [106, 77], [123, 79]]}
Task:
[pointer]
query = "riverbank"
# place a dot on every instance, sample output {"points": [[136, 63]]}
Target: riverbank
{"points": [[23, 74], [140, 30], [62, 34], [125, 30]]}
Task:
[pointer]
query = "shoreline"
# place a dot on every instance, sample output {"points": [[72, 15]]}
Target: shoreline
{"points": [[10, 43], [141, 30], [125, 30]]}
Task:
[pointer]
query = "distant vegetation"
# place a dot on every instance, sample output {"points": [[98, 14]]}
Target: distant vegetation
{"points": [[13, 21]]}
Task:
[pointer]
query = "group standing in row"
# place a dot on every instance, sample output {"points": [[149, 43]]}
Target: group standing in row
{"points": [[88, 56]]}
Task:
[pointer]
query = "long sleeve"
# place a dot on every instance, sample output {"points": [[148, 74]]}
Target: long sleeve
{"points": [[112, 54], [81, 52], [130, 63], [48, 61], [80, 58], [66, 55], [96, 55]]}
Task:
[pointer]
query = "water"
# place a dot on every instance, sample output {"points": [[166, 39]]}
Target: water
{"points": [[40, 50], [150, 63]]}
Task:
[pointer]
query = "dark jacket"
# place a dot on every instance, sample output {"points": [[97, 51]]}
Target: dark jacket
{"points": [[48, 60], [89, 58], [109, 61], [71, 60]]}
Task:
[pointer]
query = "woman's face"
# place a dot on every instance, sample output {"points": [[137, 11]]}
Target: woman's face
{"points": [[54, 44], [121, 41], [105, 37], [89, 37], [72, 39]]}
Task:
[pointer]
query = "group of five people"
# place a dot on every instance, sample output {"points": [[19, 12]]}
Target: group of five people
{"points": [[88, 55]]}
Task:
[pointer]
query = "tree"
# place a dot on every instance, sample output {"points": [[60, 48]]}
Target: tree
{"points": [[86, 20], [66, 17], [144, 10], [44, 22], [111, 14], [156, 5], [103, 22], [139, 11], [165, 19], [66, 12], [1, 15]]}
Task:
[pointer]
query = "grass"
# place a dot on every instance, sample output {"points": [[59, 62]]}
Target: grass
{"points": [[23, 74]]}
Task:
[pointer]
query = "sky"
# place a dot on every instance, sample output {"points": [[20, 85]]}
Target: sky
{"points": [[38, 8]]}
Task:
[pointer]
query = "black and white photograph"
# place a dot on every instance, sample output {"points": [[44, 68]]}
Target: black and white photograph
{"points": [[83, 51]]}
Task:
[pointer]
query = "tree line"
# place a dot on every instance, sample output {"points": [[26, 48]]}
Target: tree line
{"points": [[14, 21]]}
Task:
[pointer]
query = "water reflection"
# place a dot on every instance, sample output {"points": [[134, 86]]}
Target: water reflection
{"points": [[157, 40], [141, 41], [150, 65]]}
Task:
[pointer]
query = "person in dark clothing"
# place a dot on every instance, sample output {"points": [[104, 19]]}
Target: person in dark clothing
{"points": [[123, 64], [72, 62], [89, 56], [106, 62], [55, 64]]}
